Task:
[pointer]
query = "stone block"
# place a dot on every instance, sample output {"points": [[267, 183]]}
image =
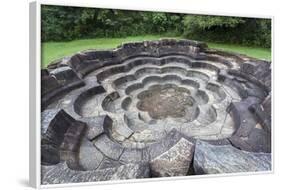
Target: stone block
{"points": [[109, 147], [60, 173], [211, 159], [174, 162]]}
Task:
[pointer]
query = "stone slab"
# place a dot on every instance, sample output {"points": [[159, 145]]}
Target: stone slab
{"points": [[61, 174], [89, 156], [165, 144], [110, 148], [97, 125], [174, 162], [211, 159], [131, 155]]}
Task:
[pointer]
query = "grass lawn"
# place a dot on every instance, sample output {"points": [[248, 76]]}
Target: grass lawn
{"points": [[55, 50], [256, 52]]}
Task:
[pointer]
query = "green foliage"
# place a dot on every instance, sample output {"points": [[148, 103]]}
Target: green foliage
{"points": [[194, 24], [60, 23], [237, 30], [207, 22]]}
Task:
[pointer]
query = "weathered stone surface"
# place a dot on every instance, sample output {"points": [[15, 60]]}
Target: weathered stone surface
{"points": [[71, 144], [46, 117], [89, 156], [73, 136], [44, 72], [131, 171], [109, 163], [248, 136], [266, 104], [211, 159], [49, 154], [64, 75], [85, 100], [122, 127], [244, 118], [97, 125], [59, 81], [229, 81], [85, 62], [118, 117], [108, 147], [54, 135], [165, 144], [60, 70], [60, 173], [174, 162], [58, 127], [263, 113], [248, 67], [260, 72], [260, 140], [262, 116], [131, 156], [48, 83]]}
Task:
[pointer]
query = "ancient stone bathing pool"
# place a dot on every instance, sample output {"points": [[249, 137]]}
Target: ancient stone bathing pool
{"points": [[154, 109]]}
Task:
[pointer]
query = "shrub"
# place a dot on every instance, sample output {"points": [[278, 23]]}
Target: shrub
{"points": [[247, 31], [60, 23]]}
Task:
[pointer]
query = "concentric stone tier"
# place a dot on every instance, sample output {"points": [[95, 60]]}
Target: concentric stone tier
{"points": [[146, 105]]}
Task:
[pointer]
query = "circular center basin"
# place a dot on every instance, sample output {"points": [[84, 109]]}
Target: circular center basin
{"points": [[164, 101]]}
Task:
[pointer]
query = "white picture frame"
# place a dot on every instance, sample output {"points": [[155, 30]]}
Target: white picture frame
{"points": [[35, 94]]}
